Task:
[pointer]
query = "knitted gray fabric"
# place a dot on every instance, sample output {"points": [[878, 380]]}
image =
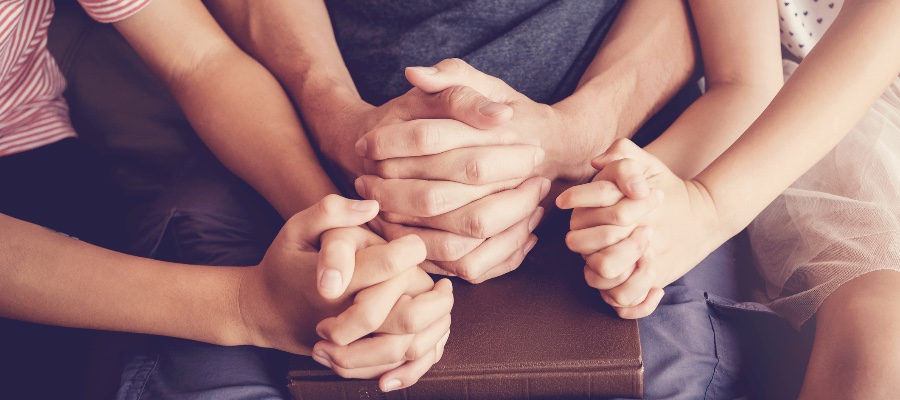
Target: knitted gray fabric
{"points": [[539, 47]]}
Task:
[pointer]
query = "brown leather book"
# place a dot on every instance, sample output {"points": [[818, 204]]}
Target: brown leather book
{"points": [[536, 333]]}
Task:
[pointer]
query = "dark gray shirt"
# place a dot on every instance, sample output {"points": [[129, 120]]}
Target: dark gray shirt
{"points": [[539, 47]]}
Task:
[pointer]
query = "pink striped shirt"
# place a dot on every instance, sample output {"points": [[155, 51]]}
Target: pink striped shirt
{"points": [[33, 112]]}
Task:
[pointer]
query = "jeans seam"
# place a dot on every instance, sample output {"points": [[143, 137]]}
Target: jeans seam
{"points": [[147, 380], [712, 378], [146, 377]]}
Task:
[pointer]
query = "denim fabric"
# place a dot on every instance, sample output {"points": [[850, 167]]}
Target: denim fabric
{"points": [[207, 216], [693, 345]]}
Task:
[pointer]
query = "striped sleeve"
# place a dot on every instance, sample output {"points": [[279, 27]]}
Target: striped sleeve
{"points": [[112, 10]]}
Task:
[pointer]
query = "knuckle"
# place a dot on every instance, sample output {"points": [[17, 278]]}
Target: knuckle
{"points": [[330, 204], [454, 65], [452, 250], [423, 138], [396, 352], [391, 264], [369, 322], [379, 140], [433, 201], [466, 272], [625, 312], [416, 352], [592, 279], [473, 225], [474, 171], [454, 96], [572, 241], [342, 360], [408, 323], [343, 373], [604, 268], [620, 298], [619, 146], [385, 169], [619, 216], [604, 236]]}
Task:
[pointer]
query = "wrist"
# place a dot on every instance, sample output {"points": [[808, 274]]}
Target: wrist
{"points": [[706, 211], [234, 329], [581, 136], [333, 113]]}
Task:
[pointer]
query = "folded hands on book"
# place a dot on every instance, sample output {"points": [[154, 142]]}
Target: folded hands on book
{"points": [[389, 319]]}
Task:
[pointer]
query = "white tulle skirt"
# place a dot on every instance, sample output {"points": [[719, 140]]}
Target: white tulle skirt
{"points": [[838, 221]]}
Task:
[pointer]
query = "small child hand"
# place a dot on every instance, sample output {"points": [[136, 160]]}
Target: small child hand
{"points": [[635, 243], [605, 231]]}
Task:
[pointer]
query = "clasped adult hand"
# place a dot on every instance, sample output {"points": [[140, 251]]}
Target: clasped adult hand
{"points": [[390, 319], [639, 227], [471, 190]]}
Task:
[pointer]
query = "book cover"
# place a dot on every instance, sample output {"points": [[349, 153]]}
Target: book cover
{"points": [[536, 333]]}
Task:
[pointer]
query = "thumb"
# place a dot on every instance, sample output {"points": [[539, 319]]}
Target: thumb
{"points": [[475, 98], [306, 227], [455, 72]]}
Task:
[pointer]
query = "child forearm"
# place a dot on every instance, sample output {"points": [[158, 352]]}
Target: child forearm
{"points": [[839, 80], [709, 126], [49, 278], [742, 70]]}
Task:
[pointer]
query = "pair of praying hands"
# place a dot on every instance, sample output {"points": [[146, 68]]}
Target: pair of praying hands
{"points": [[459, 161], [639, 227], [389, 320]]}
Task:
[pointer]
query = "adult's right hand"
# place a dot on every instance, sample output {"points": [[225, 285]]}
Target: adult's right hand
{"points": [[488, 205]]}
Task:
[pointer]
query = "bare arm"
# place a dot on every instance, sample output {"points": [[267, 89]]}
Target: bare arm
{"points": [[50, 278], [739, 45], [742, 66], [834, 86], [295, 40], [237, 108], [53, 279], [647, 56]]}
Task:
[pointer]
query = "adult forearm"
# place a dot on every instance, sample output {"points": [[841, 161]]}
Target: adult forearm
{"points": [[53, 279], [840, 79], [647, 56], [295, 40]]}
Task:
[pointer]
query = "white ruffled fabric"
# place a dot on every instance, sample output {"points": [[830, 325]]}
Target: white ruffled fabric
{"points": [[838, 221]]}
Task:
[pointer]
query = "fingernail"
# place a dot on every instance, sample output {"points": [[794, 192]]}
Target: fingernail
{"points": [[535, 218], [450, 285], [392, 384], [491, 108], [539, 156], [639, 186], [362, 205], [361, 146], [545, 188], [531, 243], [425, 70], [322, 358], [360, 186], [331, 280]]}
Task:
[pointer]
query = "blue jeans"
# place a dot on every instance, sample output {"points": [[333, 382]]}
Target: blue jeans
{"points": [[693, 345]]}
